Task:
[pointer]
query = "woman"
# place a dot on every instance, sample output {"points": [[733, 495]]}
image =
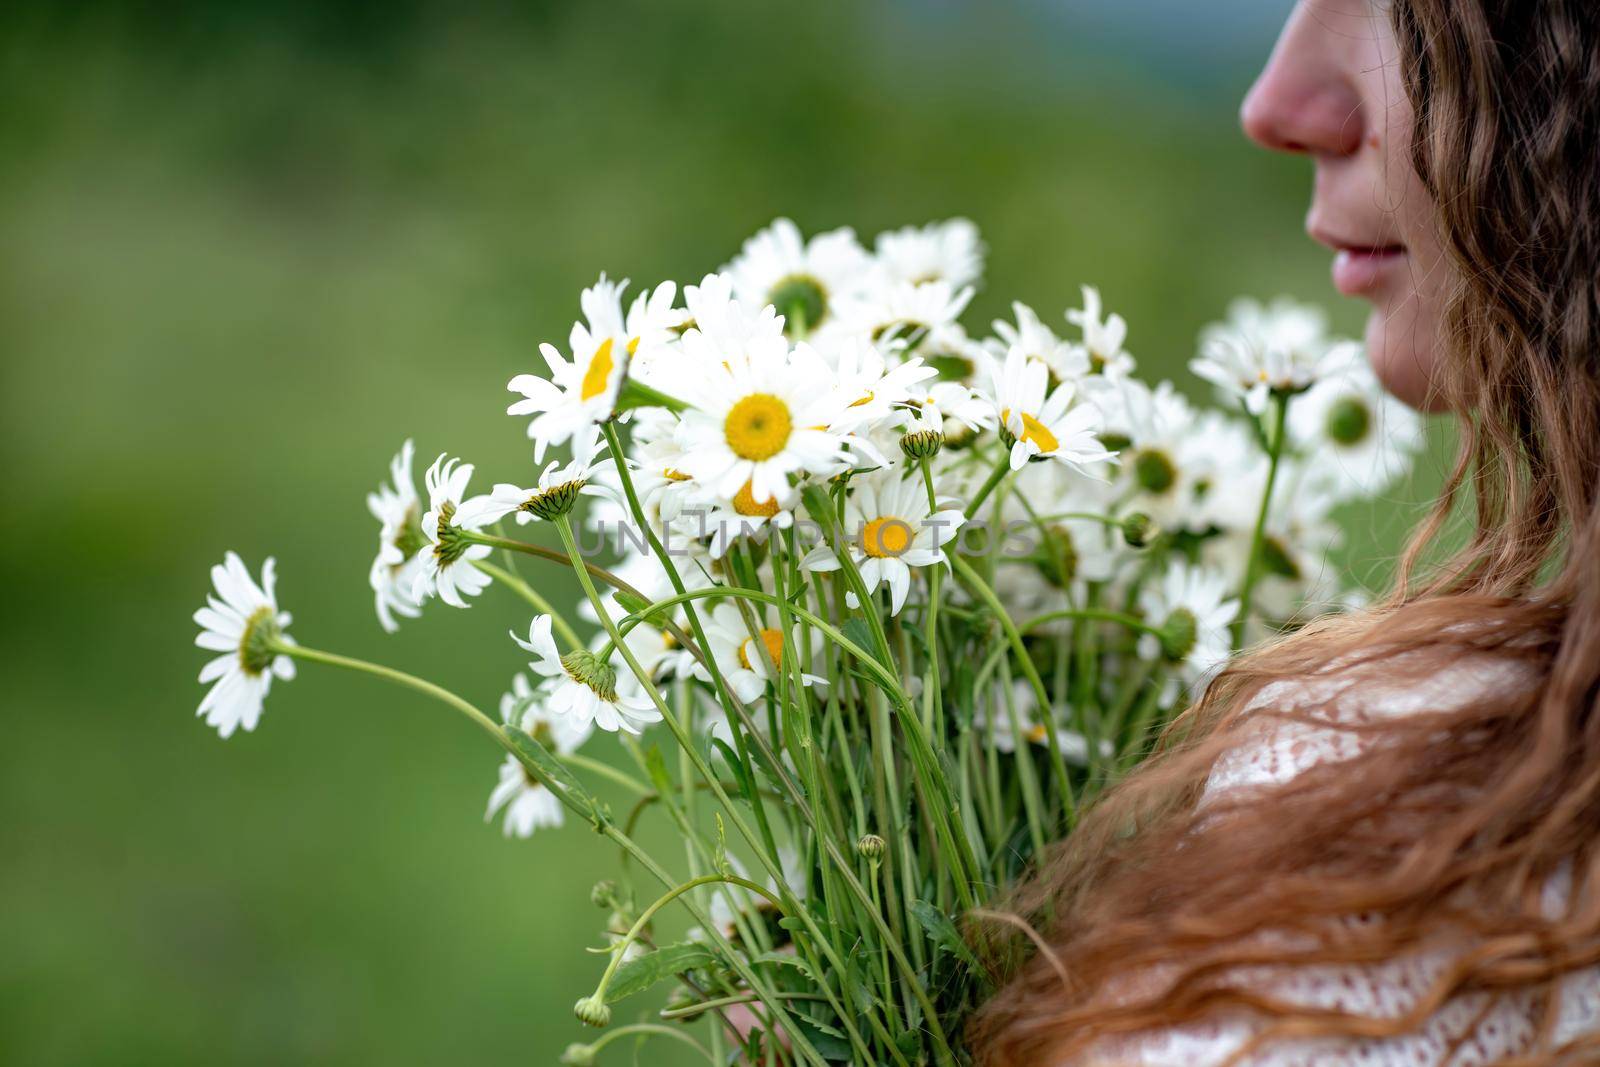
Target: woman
{"points": [[1375, 842]]}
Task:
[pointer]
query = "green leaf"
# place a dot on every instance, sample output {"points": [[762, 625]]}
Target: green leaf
{"points": [[944, 932], [827, 1040], [785, 959], [656, 765], [857, 630], [640, 974], [548, 770], [631, 603]]}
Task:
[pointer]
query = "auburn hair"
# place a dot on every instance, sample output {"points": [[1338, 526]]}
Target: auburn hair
{"points": [[1451, 822]]}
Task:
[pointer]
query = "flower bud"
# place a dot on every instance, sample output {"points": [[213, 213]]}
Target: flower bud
{"points": [[604, 894], [1138, 529], [579, 1056], [921, 444], [1178, 634], [871, 847], [593, 1011]]}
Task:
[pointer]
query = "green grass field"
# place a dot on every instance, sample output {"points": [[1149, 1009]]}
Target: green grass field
{"points": [[246, 253]]}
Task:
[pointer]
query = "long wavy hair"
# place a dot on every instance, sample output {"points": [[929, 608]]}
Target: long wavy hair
{"points": [[1450, 825]]}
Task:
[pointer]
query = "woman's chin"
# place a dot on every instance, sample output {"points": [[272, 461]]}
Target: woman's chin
{"points": [[1403, 346]]}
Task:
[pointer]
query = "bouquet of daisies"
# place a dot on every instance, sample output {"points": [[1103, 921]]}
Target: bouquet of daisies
{"points": [[872, 607]]}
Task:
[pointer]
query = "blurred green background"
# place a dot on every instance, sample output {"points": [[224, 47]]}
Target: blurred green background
{"points": [[248, 248]]}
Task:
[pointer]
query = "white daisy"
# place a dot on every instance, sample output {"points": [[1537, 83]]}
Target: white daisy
{"points": [[1039, 421], [1347, 424], [803, 279], [869, 390], [400, 543], [757, 419], [1102, 340], [949, 251], [584, 391], [528, 804], [1066, 361], [722, 522], [738, 656], [1263, 349], [243, 623], [1165, 461], [555, 493], [1295, 573], [903, 314], [585, 686], [656, 465], [1191, 605], [447, 570], [891, 530]]}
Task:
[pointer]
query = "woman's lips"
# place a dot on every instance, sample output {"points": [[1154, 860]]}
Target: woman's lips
{"points": [[1358, 270]]}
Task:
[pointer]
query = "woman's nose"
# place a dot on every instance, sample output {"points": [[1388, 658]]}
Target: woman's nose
{"points": [[1305, 101]]}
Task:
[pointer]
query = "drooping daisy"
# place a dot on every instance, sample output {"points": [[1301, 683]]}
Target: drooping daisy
{"points": [[949, 251], [1364, 438], [529, 805], [584, 391], [738, 655], [1043, 422], [448, 570], [803, 279], [244, 624], [586, 686], [758, 420], [1260, 350], [891, 530], [555, 493], [1192, 607], [400, 543], [1065, 361], [1102, 339]]}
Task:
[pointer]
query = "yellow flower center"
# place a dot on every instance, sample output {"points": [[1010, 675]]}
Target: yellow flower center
{"points": [[1036, 733], [864, 400], [673, 474], [773, 639], [886, 538], [758, 427], [744, 502], [1034, 431], [598, 376]]}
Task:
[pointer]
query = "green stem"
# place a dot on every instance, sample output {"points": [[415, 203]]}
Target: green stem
{"points": [[651, 1030], [410, 681], [1252, 570], [605, 770], [1000, 471], [1058, 763], [620, 947]]}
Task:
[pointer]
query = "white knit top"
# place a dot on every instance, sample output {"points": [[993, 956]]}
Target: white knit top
{"points": [[1468, 1029]]}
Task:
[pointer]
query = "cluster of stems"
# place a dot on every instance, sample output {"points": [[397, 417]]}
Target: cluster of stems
{"points": [[909, 787]]}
